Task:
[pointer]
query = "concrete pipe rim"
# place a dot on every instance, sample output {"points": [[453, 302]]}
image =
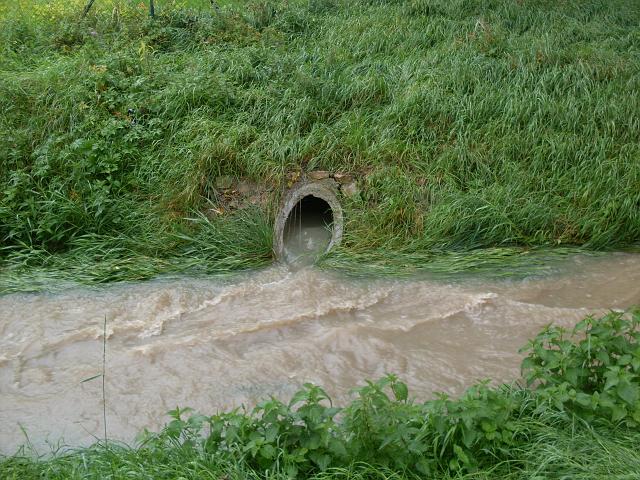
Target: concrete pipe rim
{"points": [[325, 190]]}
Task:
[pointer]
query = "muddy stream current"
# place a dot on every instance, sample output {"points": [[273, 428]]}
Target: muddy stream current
{"points": [[214, 344]]}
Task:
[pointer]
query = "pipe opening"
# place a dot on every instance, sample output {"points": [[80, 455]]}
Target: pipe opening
{"points": [[309, 222], [308, 230]]}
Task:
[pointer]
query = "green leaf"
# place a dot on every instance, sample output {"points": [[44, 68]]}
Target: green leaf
{"points": [[337, 447], [618, 413], [469, 435], [313, 442], [423, 467], [624, 359], [271, 433], [488, 426], [400, 391], [323, 461], [461, 454], [628, 392], [612, 379], [267, 451], [606, 400], [603, 356], [291, 471], [583, 399], [527, 364], [572, 375]]}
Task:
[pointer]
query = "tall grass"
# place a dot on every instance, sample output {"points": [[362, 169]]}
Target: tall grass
{"points": [[553, 453], [469, 124]]}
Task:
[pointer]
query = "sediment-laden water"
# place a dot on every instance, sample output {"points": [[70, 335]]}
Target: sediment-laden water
{"points": [[213, 344]]}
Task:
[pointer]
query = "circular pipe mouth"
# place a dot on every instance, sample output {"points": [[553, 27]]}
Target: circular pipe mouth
{"points": [[321, 198]]}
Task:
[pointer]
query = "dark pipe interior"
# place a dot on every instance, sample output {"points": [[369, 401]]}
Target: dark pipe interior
{"points": [[308, 227], [309, 212]]}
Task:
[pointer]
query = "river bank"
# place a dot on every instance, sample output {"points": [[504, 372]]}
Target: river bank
{"points": [[135, 147]]}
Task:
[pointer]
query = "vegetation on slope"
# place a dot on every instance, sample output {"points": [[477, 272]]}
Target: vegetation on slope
{"points": [[578, 417], [469, 124]]}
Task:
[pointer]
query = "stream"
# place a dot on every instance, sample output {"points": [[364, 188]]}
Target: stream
{"points": [[215, 344]]}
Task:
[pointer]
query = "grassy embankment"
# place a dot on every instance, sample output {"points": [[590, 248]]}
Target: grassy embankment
{"points": [[578, 417], [501, 125]]}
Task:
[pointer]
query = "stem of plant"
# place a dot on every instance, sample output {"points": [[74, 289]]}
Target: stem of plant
{"points": [[104, 362], [87, 7]]}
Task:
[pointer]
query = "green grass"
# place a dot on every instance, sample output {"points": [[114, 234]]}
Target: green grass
{"points": [[469, 124], [553, 453], [577, 417]]}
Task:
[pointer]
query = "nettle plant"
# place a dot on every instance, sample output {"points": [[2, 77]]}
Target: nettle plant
{"points": [[380, 427], [297, 437], [593, 370], [442, 435]]}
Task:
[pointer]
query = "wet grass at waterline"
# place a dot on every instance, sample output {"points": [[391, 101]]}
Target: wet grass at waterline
{"points": [[577, 416], [467, 125], [213, 247], [514, 262], [90, 270]]}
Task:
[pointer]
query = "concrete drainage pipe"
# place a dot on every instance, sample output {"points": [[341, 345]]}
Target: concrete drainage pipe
{"points": [[307, 198]]}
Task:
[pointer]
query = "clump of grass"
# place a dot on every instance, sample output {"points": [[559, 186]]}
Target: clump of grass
{"points": [[541, 431], [203, 246], [440, 263], [469, 125]]}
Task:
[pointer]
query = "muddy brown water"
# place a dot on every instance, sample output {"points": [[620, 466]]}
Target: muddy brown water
{"points": [[216, 344]]}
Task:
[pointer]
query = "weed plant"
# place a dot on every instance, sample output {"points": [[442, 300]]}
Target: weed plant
{"points": [[579, 417], [469, 125]]}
